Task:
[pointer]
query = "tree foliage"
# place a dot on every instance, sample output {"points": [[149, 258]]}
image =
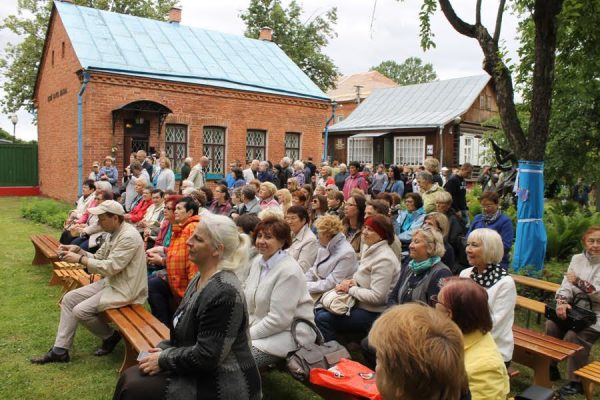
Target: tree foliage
{"points": [[410, 72], [20, 62], [528, 145], [303, 42], [574, 142]]}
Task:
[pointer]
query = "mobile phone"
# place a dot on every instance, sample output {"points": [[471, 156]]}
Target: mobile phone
{"points": [[142, 355]]}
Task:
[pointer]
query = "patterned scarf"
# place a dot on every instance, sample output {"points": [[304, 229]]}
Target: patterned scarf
{"points": [[491, 218], [489, 277]]}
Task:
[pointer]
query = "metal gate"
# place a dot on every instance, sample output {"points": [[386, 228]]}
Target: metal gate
{"points": [[18, 165]]}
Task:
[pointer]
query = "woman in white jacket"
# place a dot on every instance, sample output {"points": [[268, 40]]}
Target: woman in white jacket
{"points": [[276, 294], [484, 253], [376, 275], [336, 259]]}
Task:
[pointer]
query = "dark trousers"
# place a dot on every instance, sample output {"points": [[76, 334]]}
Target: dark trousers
{"points": [[359, 321], [159, 298], [132, 385], [585, 338]]}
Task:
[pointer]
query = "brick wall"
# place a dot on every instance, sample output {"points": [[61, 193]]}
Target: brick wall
{"points": [[194, 106]]}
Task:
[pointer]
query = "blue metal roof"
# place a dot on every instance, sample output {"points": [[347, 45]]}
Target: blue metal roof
{"points": [[427, 105], [137, 46]]}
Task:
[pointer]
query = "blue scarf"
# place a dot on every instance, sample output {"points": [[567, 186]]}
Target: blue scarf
{"points": [[420, 266]]}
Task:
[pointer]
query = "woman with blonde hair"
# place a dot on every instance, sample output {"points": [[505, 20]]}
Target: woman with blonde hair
{"points": [[484, 253], [420, 355], [336, 259], [432, 165], [210, 328], [165, 179], [439, 221], [298, 175], [284, 198], [266, 194]]}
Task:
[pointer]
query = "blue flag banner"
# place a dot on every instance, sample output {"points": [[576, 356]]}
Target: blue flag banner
{"points": [[531, 240]]}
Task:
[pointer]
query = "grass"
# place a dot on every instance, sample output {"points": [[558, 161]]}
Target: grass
{"points": [[29, 313]]}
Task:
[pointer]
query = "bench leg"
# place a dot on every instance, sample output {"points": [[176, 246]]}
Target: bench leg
{"points": [[130, 357], [539, 364], [39, 258], [54, 280], [588, 388]]}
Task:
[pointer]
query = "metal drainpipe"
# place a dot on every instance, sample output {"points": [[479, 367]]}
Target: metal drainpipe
{"points": [[332, 118], [441, 146], [86, 79]]}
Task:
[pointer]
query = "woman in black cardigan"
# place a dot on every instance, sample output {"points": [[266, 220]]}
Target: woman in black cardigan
{"points": [[208, 356]]}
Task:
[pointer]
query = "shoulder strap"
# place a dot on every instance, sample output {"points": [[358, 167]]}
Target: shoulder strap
{"points": [[319, 340]]}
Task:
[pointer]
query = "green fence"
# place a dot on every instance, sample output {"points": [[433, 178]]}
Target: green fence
{"points": [[18, 165]]}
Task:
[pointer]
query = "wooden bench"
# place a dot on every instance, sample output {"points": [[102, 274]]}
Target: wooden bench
{"points": [[72, 278], [590, 375], [46, 249], [57, 278], [536, 283], [140, 329], [537, 350]]}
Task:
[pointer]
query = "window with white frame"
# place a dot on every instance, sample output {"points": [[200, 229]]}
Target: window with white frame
{"points": [[214, 149], [471, 150], [360, 149], [292, 145], [256, 145], [176, 144], [409, 150]]}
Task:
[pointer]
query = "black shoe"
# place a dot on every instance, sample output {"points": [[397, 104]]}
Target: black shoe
{"points": [[51, 357], [554, 373], [571, 389], [108, 345]]}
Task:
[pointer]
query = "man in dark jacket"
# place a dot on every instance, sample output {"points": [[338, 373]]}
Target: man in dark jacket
{"points": [[141, 157], [457, 187]]}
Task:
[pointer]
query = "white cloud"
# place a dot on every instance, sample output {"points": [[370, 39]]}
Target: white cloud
{"points": [[364, 38]]}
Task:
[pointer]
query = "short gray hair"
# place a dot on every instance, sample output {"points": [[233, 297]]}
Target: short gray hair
{"points": [[426, 176], [434, 239], [491, 242], [104, 186]]}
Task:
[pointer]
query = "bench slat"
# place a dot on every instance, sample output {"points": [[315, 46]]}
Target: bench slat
{"points": [[159, 327], [146, 330], [561, 343], [128, 330], [536, 283], [533, 305]]}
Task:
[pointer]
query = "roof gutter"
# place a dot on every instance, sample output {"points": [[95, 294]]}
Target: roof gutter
{"points": [[86, 79]]}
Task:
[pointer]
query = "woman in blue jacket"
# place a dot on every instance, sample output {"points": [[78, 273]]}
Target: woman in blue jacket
{"points": [[410, 219], [394, 183], [492, 217]]}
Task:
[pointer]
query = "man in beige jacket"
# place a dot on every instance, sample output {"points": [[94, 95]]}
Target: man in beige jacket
{"points": [[122, 263]]}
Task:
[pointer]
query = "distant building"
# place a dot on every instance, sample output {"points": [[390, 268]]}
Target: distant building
{"points": [[351, 90], [153, 85], [404, 125]]}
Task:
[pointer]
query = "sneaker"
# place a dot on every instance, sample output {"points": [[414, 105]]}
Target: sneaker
{"points": [[554, 373], [571, 389], [51, 357], [108, 345]]}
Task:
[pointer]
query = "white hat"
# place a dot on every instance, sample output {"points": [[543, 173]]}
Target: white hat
{"points": [[445, 169], [107, 206]]}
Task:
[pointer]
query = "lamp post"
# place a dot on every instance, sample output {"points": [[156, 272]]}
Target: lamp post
{"points": [[14, 119]]}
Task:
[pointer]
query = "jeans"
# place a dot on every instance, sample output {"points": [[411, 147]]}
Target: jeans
{"points": [[159, 298], [359, 321]]}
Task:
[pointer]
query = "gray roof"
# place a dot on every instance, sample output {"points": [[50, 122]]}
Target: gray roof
{"points": [[427, 105], [124, 44]]}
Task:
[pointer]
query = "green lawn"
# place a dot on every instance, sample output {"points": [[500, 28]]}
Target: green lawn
{"points": [[29, 315]]}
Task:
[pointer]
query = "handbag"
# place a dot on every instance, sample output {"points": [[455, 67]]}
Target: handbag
{"points": [[537, 393], [337, 303], [314, 355], [349, 377], [578, 317]]}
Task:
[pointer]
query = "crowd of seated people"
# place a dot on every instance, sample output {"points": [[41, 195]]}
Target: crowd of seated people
{"points": [[389, 240]]}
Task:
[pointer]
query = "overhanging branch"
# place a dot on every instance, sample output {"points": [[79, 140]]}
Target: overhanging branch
{"points": [[499, 20], [458, 24]]}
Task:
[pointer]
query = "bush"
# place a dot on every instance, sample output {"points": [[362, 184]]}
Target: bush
{"points": [[46, 211], [564, 231]]}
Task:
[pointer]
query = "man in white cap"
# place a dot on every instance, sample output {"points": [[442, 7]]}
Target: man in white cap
{"points": [[122, 263]]}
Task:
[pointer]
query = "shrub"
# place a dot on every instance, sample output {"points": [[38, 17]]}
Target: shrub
{"points": [[565, 231], [46, 211]]}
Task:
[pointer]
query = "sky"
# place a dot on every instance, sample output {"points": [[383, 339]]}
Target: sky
{"points": [[368, 32]]}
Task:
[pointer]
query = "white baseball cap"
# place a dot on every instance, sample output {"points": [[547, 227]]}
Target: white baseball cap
{"points": [[107, 206]]}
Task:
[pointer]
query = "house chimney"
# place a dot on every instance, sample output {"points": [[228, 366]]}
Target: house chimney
{"points": [[175, 15], [266, 33]]}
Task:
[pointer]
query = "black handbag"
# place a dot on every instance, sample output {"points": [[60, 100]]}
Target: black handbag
{"points": [[578, 318], [314, 355], [537, 393]]}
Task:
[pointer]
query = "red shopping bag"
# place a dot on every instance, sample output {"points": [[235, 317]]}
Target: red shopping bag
{"points": [[349, 377]]}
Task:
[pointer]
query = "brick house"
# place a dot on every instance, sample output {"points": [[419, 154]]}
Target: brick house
{"points": [[403, 125], [110, 84]]}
